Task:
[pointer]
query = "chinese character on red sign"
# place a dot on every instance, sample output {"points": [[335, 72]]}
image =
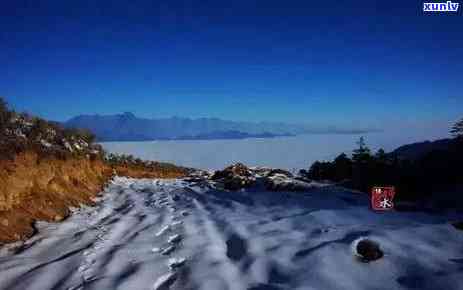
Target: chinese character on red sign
{"points": [[382, 198]]}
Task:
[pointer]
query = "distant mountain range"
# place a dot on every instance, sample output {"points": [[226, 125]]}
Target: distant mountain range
{"points": [[128, 127], [231, 135]]}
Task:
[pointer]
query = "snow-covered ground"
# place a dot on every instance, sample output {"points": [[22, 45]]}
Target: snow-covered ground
{"points": [[170, 234]]}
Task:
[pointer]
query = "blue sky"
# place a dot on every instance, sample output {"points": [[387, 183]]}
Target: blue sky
{"points": [[374, 63]]}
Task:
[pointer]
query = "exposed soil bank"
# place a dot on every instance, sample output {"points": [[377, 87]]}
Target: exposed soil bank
{"points": [[35, 188]]}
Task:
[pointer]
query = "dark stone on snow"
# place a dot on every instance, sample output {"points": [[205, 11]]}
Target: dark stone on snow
{"points": [[368, 250], [234, 177], [458, 225], [233, 170]]}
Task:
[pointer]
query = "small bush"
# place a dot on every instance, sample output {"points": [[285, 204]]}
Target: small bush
{"points": [[84, 134], [5, 115], [22, 132]]}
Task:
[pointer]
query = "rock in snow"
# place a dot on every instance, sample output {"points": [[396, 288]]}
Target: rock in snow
{"points": [[238, 176], [458, 225], [368, 250], [234, 177]]}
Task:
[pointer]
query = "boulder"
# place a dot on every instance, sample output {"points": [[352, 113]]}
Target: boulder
{"points": [[236, 183], [281, 180], [234, 177], [284, 184], [276, 171], [458, 225], [237, 169], [368, 250], [261, 171]]}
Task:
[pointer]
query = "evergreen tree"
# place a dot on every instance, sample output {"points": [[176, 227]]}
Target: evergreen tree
{"points": [[381, 155], [321, 170], [315, 170], [457, 129], [361, 158], [362, 153], [3, 105], [342, 167], [4, 114]]}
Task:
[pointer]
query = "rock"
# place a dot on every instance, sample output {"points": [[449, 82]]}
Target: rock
{"points": [[280, 182], [197, 176], [240, 169], [458, 225], [234, 177], [274, 172], [262, 171], [237, 169], [368, 250], [234, 183]]}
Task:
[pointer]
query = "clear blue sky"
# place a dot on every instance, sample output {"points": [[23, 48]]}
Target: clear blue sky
{"points": [[377, 63]]}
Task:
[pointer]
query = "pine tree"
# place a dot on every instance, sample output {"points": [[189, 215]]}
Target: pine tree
{"points": [[4, 114], [3, 105], [457, 129], [361, 158], [342, 167], [362, 153], [381, 155]]}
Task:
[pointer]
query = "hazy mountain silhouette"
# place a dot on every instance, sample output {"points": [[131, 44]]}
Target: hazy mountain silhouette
{"points": [[128, 127], [231, 135]]}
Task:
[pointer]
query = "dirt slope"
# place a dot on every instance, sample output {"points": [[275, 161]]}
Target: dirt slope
{"points": [[36, 188]]}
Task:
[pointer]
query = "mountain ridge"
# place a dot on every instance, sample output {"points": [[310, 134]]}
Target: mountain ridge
{"points": [[128, 127], [416, 150]]}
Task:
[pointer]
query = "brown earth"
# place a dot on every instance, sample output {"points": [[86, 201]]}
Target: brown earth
{"points": [[160, 170], [35, 188]]}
